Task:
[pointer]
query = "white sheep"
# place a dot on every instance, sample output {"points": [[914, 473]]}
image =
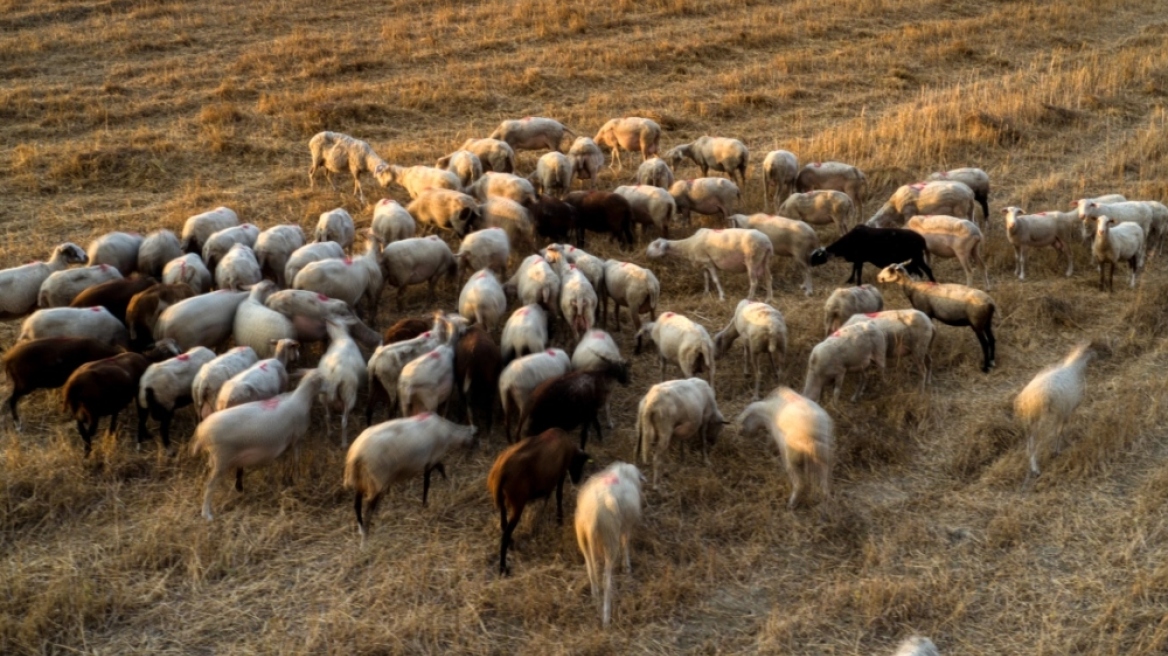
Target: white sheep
{"points": [[482, 300], [392, 222], [385, 365], [655, 172], [512, 217], [535, 282], [850, 349], [586, 159], [188, 269], [976, 179], [1047, 402], [906, 333], [553, 174], [158, 248], [521, 376], [734, 250], [205, 320], [258, 326], [420, 259], [917, 646], [274, 247], [821, 207], [1087, 224], [595, 351], [445, 209], [214, 374], [943, 197], [707, 196], [531, 133], [493, 154], [485, 249], [833, 175], [416, 179], [633, 287], [221, 241], [463, 163], [682, 341], [763, 331], [310, 311], [592, 266], [578, 300], [676, 410], [779, 169], [20, 286], [525, 332], [95, 322], [337, 153], [607, 510], [335, 225], [631, 133], [166, 386], [427, 381], [949, 236], [61, 287], [238, 269], [1117, 242], [846, 301], [308, 253], [730, 156], [199, 227], [788, 237], [503, 185], [1151, 216], [116, 249], [1037, 231], [352, 280], [344, 371], [262, 380], [653, 202], [804, 433]]}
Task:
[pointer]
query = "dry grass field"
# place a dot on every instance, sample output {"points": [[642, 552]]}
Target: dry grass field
{"points": [[133, 114]]}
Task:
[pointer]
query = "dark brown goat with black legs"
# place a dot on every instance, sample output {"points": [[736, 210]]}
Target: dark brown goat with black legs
{"points": [[574, 399], [47, 364]]}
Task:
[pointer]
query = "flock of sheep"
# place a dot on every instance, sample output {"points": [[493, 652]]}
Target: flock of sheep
{"points": [[110, 339]]}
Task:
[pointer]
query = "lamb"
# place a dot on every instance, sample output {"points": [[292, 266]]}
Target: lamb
{"points": [[144, 308], [532, 469], [158, 248], [608, 509], [531, 133], [335, 225], [477, 364], [309, 311], [820, 207], [655, 172], [906, 332], [553, 174], [352, 280], [485, 249], [804, 433], [578, 301], [494, 155], [880, 246], [96, 322], [238, 269], [114, 295], [729, 156], [420, 259], [398, 450], [681, 409], [257, 326], [953, 305], [594, 351], [555, 220], [427, 381], [1047, 402], [834, 175], [60, 288], [165, 387], [20, 286], [976, 179], [47, 363], [788, 237], [337, 153], [445, 209], [846, 301], [503, 185], [763, 332], [275, 246], [262, 380], [1151, 216], [189, 270], [734, 250], [343, 368], [463, 163], [220, 242], [1117, 242], [707, 196], [1037, 231], [205, 320], [572, 400], [656, 203], [212, 376], [525, 332], [198, 228], [392, 222], [950, 198], [535, 282], [309, 253], [779, 169], [633, 287], [384, 367], [949, 236], [851, 348], [603, 211], [682, 341], [631, 133], [520, 378], [254, 433], [586, 159], [416, 179], [512, 217], [116, 249]]}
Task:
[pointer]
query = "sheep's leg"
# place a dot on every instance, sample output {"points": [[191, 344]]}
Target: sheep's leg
{"points": [[12, 399], [625, 548], [797, 486], [758, 374], [985, 350], [584, 435], [504, 542], [1020, 262], [165, 430], [345, 428], [86, 436], [860, 387], [718, 284], [606, 614], [1031, 448], [839, 383], [358, 502], [989, 331], [142, 432], [239, 479], [208, 491], [327, 418], [661, 359], [596, 423], [377, 395], [113, 425], [426, 484]]}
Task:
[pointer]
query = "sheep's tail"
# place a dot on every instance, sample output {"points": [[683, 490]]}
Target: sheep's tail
{"points": [[356, 474]]}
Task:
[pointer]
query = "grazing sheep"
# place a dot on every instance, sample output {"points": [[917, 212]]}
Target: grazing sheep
{"points": [[144, 308], [532, 133], [165, 387], [820, 207], [734, 250], [395, 451], [949, 198], [603, 211], [116, 249], [790, 238], [482, 300], [804, 433], [199, 227], [906, 332], [392, 222], [274, 248], [953, 305], [520, 378], [158, 248], [60, 288], [655, 172], [356, 281], [1150, 216], [592, 266], [676, 409], [238, 269], [709, 196], [503, 185], [262, 380], [308, 253], [385, 366], [1047, 402], [851, 348], [880, 246], [337, 153], [416, 179], [309, 311], [20, 286], [633, 287], [631, 133], [96, 322], [525, 332], [833, 175], [205, 320], [949, 236], [114, 295], [1037, 231], [681, 341], [512, 217], [213, 375], [1117, 242], [427, 381], [189, 270], [730, 156], [477, 364], [47, 363], [779, 169], [594, 351], [445, 209], [493, 154], [221, 241], [343, 368], [407, 328], [484, 249], [555, 220], [258, 326], [535, 282], [607, 511], [420, 259], [578, 300], [463, 163], [763, 331], [572, 400], [652, 202], [336, 225], [553, 174], [846, 301], [977, 180], [586, 159]]}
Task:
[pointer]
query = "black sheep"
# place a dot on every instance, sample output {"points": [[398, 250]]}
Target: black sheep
{"points": [[879, 246]]}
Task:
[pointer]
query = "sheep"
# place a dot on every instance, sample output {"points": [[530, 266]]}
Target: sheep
{"points": [[788, 237], [46, 363], [96, 322], [512, 217], [343, 368], [144, 308], [20, 286], [603, 211], [398, 450], [336, 153], [950, 198], [308, 253], [520, 378], [1086, 223], [420, 259], [578, 301], [1117, 242], [205, 320], [60, 288], [851, 348], [594, 351], [804, 433], [1047, 402], [353, 280], [655, 172], [114, 295], [633, 287], [116, 249], [335, 225], [631, 133], [880, 246], [1151, 216], [212, 376], [165, 387], [846, 301], [763, 331], [949, 236], [525, 332], [730, 156], [906, 332], [953, 305], [309, 311], [586, 159], [254, 433], [656, 203], [258, 326], [681, 341], [158, 248], [482, 300], [189, 270], [918, 645], [392, 222], [238, 269], [572, 400], [220, 242], [592, 266], [416, 179], [531, 133], [820, 207], [445, 209], [503, 185], [427, 381], [976, 179], [555, 220], [493, 154], [1036, 231], [535, 282], [385, 365], [463, 163], [833, 175], [553, 174], [485, 249], [274, 248], [607, 511], [103, 387], [734, 250], [262, 380], [528, 470], [197, 228], [477, 364], [681, 409], [779, 169], [707, 196]]}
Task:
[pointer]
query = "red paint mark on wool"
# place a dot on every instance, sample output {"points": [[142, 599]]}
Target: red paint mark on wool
{"points": [[263, 366], [424, 416], [183, 358], [836, 334], [872, 315], [521, 312], [598, 334], [434, 354], [348, 261], [96, 308], [104, 267], [817, 164], [270, 404], [611, 479], [667, 315], [426, 334], [550, 352], [322, 297]]}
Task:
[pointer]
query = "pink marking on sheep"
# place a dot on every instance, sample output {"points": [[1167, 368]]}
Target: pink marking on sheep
{"points": [[183, 358], [96, 308], [270, 404], [423, 417], [322, 297]]}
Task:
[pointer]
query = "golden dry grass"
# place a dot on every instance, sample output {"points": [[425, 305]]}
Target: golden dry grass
{"points": [[134, 114]]}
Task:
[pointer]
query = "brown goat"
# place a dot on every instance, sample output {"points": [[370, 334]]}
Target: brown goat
{"points": [[528, 470], [602, 211], [47, 364], [407, 329], [145, 306], [114, 295], [477, 365], [574, 399]]}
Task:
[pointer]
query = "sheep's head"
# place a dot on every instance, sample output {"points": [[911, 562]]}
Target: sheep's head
{"points": [[657, 248], [714, 427], [615, 369], [443, 162], [674, 155], [893, 273], [287, 350], [576, 465], [737, 221], [162, 349], [645, 331], [71, 252], [262, 290], [753, 420], [820, 256], [1103, 224], [385, 174]]}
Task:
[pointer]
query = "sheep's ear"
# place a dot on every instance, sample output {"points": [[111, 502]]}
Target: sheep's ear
{"points": [[273, 342], [904, 263]]}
